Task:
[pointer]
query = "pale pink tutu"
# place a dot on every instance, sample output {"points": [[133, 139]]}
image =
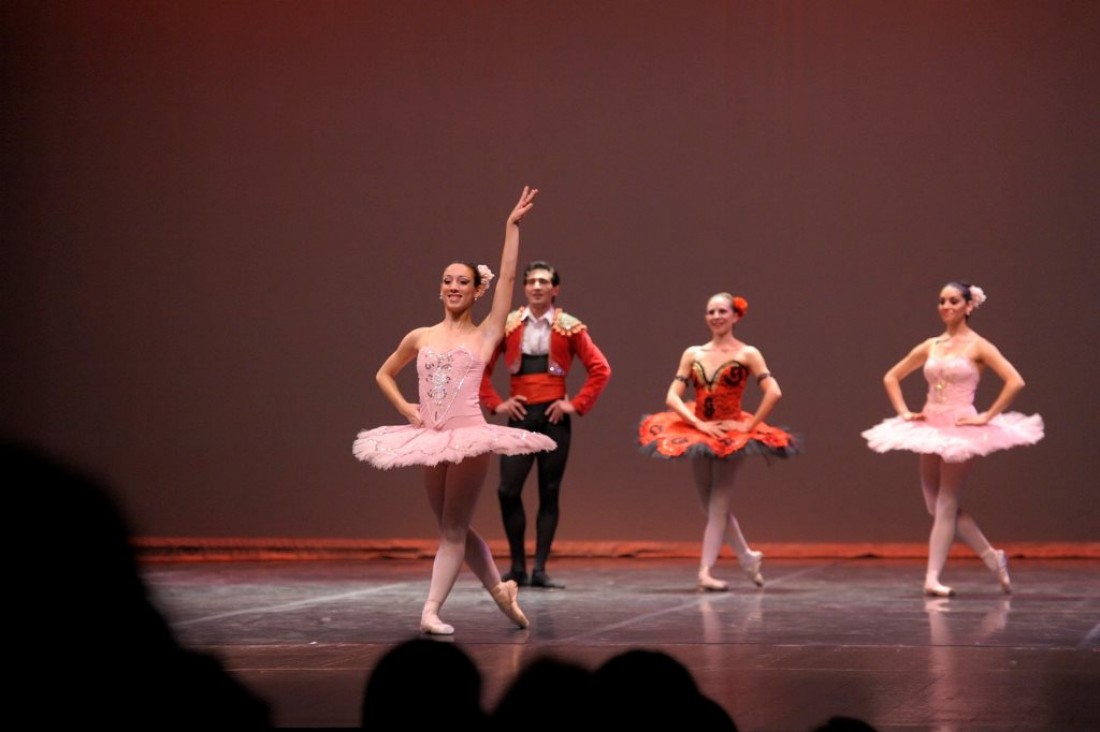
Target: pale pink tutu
{"points": [[404, 445], [939, 435], [454, 427]]}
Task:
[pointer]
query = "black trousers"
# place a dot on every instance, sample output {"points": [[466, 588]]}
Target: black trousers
{"points": [[514, 470]]}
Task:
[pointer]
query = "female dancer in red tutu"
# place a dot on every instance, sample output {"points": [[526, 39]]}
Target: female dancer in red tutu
{"points": [[948, 432], [447, 432], [715, 433]]}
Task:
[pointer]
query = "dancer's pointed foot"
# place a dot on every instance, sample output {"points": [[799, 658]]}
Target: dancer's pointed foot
{"points": [[707, 583], [506, 595], [430, 622], [997, 562], [935, 589], [751, 563]]}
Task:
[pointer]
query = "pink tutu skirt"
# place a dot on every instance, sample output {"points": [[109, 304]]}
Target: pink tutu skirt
{"points": [[938, 434], [405, 445]]}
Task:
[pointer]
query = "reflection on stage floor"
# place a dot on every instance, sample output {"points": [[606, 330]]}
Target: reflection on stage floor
{"points": [[824, 637]]}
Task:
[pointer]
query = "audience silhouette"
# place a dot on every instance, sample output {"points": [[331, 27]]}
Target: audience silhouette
{"points": [[99, 640], [548, 695], [643, 688], [423, 683], [647, 688]]}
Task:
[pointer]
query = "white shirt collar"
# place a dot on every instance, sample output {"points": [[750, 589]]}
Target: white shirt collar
{"points": [[548, 316]]}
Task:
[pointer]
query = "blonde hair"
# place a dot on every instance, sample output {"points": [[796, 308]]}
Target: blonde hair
{"points": [[739, 304]]}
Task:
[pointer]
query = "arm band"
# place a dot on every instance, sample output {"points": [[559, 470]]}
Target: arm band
{"points": [[760, 377]]}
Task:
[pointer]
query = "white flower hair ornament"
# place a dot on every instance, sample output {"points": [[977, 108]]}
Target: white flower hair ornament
{"points": [[487, 276], [977, 296]]}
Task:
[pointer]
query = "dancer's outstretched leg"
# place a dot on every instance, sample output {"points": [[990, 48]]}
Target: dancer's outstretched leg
{"points": [[725, 475], [750, 560], [505, 594], [714, 481], [967, 529], [461, 491], [453, 490], [941, 483]]}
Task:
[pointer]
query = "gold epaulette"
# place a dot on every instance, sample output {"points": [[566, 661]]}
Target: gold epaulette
{"points": [[567, 324], [513, 321]]}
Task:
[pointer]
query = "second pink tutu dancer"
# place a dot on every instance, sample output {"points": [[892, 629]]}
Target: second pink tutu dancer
{"points": [[949, 431]]}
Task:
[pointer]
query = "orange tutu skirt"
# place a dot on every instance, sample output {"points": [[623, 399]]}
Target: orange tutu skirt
{"points": [[667, 435]]}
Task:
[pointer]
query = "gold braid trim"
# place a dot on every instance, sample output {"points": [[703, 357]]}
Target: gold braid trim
{"points": [[564, 323], [567, 324], [513, 321]]}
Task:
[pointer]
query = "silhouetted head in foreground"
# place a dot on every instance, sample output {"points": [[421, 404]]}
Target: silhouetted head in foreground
{"points": [[548, 695], [423, 684], [104, 655], [647, 688]]}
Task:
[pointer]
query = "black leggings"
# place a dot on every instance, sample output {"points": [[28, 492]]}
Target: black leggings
{"points": [[513, 474]]}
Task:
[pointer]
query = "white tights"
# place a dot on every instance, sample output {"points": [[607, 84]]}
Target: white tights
{"points": [[942, 483], [453, 490], [714, 481]]}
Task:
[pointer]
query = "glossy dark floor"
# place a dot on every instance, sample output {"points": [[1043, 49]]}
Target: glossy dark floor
{"points": [[824, 637]]}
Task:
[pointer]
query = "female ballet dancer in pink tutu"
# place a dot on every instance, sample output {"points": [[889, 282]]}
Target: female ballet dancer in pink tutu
{"points": [[948, 432], [715, 433], [447, 432]]}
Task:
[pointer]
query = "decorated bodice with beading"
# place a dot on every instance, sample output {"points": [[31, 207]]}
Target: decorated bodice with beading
{"points": [[952, 382], [449, 382], [718, 395], [944, 428]]}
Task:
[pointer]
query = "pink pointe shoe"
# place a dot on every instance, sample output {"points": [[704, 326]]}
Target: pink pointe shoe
{"points": [[935, 589], [751, 563], [707, 583], [430, 622], [997, 562], [506, 595]]}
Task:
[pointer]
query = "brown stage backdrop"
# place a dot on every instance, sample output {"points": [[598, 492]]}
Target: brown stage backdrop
{"points": [[219, 218]]}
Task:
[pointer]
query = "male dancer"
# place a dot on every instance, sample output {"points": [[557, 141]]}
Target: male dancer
{"points": [[540, 341]]}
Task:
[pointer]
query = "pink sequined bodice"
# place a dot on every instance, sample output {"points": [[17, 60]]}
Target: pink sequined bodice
{"points": [[952, 381], [449, 382]]}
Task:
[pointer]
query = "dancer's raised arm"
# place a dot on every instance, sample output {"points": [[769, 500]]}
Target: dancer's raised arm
{"points": [[493, 326], [447, 435]]}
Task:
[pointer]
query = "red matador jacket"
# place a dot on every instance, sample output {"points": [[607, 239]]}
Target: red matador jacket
{"points": [[568, 338]]}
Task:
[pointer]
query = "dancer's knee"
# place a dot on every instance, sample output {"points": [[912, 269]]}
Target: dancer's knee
{"points": [[452, 533], [509, 491], [947, 509]]}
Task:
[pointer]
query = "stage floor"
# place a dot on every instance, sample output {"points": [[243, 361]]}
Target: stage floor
{"points": [[825, 637]]}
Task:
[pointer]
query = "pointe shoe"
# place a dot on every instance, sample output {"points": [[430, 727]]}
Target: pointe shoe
{"points": [[505, 594], [997, 562], [935, 589], [751, 564], [432, 625], [707, 583]]}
